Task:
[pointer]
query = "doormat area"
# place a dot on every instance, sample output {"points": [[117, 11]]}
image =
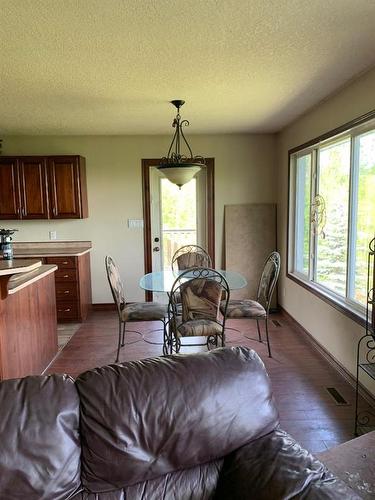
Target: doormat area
{"points": [[65, 332]]}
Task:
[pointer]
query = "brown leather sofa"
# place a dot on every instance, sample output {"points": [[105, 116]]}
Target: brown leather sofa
{"points": [[200, 426]]}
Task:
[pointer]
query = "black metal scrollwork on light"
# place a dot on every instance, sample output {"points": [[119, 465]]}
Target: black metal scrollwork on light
{"points": [[176, 166]]}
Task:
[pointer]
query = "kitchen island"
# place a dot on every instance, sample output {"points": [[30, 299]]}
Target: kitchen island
{"points": [[28, 327]]}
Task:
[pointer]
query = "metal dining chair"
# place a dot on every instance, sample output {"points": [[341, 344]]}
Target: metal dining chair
{"points": [[134, 311], [190, 256], [194, 308], [258, 309]]}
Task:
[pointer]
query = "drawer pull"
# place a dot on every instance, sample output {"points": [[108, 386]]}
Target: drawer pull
{"points": [[65, 310], [65, 262], [66, 292], [66, 276]]}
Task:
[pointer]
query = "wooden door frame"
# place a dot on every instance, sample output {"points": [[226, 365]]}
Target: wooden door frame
{"points": [[210, 210]]}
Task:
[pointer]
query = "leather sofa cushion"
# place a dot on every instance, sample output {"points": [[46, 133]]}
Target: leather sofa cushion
{"points": [[40, 449], [143, 419], [276, 467], [196, 483]]}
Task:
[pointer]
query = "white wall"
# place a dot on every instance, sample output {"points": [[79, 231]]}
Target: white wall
{"points": [[244, 173], [332, 329]]}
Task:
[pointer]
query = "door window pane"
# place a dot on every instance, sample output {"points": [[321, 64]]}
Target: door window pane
{"points": [[332, 235], [303, 194], [365, 221], [179, 217]]}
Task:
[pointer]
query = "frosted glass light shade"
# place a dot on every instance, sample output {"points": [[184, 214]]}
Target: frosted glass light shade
{"points": [[179, 175]]}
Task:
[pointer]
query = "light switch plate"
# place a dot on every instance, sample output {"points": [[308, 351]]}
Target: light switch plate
{"points": [[135, 223], [53, 235]]}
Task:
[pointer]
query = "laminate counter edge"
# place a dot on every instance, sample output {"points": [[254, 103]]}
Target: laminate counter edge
{"points": [[17, 283], [16, 266]]}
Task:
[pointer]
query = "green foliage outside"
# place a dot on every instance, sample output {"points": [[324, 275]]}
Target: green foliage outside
{"points": [[179, 217], [332, 239]]}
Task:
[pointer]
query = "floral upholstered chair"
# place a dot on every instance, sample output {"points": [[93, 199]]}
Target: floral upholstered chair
{"points": [[258, 309], [135, 311], [194, 307], [190, 256]]}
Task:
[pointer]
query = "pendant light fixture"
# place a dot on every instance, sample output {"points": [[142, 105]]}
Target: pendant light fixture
{"points": [[177, 167]]}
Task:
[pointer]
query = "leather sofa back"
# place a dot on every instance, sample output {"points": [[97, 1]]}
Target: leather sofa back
{"points": [[40, 448], [143, 419]]}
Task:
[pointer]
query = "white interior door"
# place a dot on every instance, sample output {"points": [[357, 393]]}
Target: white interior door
{"points": [[156, 220], [178, 217]]}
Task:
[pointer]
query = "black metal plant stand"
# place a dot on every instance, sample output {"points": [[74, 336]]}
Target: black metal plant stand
{"points": [[365, 420]]}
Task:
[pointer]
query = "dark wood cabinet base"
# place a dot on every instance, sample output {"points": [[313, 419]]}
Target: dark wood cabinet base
{"points": [[73, 287], [28, 333]]}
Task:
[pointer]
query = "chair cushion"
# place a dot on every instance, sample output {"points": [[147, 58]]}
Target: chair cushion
{"points": [[143, 419], [200, 299], [244, 309], [192, 259], [199, 328], [143, 311], [39, 438]]}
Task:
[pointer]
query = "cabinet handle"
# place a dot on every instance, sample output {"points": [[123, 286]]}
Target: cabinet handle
{"points": [[65, 262], [66, 292], [54, 211], [23, 211], [64, 310], [66, 276], [19, 211]]}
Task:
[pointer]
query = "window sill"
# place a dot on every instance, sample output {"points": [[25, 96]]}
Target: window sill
{"points": [[341, 306]]}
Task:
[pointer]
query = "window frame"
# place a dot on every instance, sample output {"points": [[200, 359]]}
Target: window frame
{"points": [[351, 129]]}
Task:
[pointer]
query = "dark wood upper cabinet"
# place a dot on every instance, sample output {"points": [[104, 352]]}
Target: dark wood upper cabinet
{"points": [[67, 182], [33, 188], [43, 187], [9, 189]]}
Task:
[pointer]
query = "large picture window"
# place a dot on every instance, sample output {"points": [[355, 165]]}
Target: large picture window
{"points": [[332, 215]]}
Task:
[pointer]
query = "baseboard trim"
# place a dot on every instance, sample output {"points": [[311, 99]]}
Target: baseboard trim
{"points": [[104, 306], [344, 372]]}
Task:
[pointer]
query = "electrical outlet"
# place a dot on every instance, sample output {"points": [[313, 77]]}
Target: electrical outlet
{"points": [[53, 235]]}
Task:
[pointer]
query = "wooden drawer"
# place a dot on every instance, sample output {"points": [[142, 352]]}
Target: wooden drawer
{"points": [[66, 291], [63, 262], [67, 310], [62, 275]]}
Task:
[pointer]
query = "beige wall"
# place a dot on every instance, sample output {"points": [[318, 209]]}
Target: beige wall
{"points": [[332, 329], [244, 172]]}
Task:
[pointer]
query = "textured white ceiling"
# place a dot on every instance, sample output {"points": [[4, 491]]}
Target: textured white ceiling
{"points": [[111, 66]]}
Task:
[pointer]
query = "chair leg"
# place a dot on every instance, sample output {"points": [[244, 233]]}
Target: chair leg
{"points": [[259, 334], [178, 345], [119, 340], [268, 340], [123, 335], [165, 339]]}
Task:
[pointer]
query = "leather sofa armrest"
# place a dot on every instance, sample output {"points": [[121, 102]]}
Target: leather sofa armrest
{"points": [[276, 466]]}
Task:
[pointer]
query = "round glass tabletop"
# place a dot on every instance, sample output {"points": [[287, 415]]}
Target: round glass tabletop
{"points": [[162, 281]]}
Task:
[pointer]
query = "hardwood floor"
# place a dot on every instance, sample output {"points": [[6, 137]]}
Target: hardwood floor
{"points": [[299, 374]]}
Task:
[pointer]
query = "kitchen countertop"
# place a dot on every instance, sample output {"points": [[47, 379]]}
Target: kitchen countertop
{"points": [[51, 249], [19, 281], [16, 266]]}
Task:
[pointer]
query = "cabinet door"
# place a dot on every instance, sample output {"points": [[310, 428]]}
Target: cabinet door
{"points": [[9, 189], [64, 176], [33, 188]]}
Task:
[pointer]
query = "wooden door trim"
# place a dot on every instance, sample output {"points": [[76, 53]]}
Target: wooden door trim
{"points": [[210, 209]]}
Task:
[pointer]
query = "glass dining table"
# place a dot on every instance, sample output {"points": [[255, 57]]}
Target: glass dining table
{"points": [[162, 281]]}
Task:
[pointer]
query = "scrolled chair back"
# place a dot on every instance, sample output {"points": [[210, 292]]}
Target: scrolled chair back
{"points": [[190, 256], [268, 279], [115, 282], [200, 291]]}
